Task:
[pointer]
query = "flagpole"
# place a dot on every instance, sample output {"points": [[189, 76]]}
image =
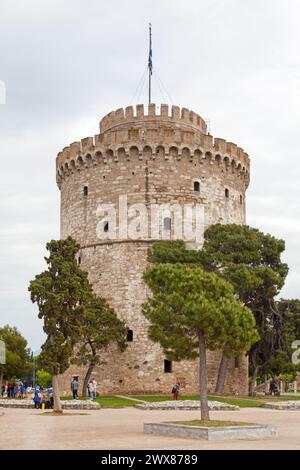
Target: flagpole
{"points": [[150, 61]]}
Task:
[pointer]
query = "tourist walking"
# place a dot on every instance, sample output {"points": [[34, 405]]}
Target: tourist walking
{"points": [[74, 388]]}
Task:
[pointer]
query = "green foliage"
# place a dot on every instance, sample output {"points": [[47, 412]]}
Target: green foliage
{"points": [[60, 293], [188, 301], [251, 261], [17, 354], [173, 252], [100, 327], [44, 378]]}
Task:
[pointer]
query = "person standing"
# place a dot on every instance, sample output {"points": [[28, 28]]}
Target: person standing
{"points": [[21, 389], [175, 391], [95, 387], [37, 399], [91, 390], [74, 388]]}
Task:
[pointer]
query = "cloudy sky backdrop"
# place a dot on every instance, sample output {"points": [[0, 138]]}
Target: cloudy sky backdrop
{"points": [[66, 63]]}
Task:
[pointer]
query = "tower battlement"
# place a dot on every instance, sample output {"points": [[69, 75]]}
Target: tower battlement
{"points": [[159, 114], [125, 135]]}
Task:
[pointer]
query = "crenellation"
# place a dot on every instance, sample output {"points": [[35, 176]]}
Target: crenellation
{"points": [[175, 113], [220, 144], [87, 144], [75, 148], [140, 111], [164, 111], [208, 141]]}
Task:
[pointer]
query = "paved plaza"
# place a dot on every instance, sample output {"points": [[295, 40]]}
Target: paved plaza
{"points": [[123, 429]]}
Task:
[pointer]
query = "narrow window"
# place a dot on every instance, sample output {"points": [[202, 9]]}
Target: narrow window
{"points": [[79, 260], [227, 193], [168, 366], [85, 190], [106, 226], [197, 186], [241, 199], [129, 335], [167, 224], [236, 362]]}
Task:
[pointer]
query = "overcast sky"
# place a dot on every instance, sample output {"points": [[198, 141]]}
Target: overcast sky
{"points": [[65, 63]]}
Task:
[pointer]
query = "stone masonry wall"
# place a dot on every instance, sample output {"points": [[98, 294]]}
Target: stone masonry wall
{"points": [[150, 159]]}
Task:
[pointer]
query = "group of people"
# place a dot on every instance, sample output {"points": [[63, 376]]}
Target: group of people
{"points": [[13, 390], [43, 398], [91, 388]]}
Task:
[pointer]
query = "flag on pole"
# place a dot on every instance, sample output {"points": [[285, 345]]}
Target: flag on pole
{"points": [[150, 50]]}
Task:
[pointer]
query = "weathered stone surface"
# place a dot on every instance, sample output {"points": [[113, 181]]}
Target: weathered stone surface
{"points": [[150, 159], [185, 405], [283, 405], [211, 433], [66, 404]]}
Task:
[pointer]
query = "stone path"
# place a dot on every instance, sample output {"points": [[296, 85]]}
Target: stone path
{"points": [[123, 429], [283, 405], [184, 405], [27, 403]]}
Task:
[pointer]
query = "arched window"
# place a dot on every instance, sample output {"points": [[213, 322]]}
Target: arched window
{"points": [[197, 186], [106, 226], [227, 193]]}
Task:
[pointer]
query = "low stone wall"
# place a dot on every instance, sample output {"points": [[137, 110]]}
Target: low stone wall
{"points": [[66, 404], [211, 433], [283, 405], [185, 405]]}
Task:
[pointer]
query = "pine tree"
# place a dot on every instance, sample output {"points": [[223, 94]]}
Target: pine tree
{"points": [[60, 293], [191, 311]]}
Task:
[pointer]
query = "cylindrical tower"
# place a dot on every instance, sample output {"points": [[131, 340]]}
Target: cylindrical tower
{"points": [[109, 185]]}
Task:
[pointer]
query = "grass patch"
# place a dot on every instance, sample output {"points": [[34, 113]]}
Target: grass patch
{"points": [[210, 424]]}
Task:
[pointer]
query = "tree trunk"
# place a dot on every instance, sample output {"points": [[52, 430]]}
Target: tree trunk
{"points": [[203, 379], [222, 374], [253, 381], [56, 395], [87, 379]]}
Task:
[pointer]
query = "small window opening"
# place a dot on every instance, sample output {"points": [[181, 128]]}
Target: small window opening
{"points": [[79, 260], [241, 199], [106, 227], [85, 190], [168, 366], [129, 335], [167, 224], [197, 186], [227, 193], [236, 362]]}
